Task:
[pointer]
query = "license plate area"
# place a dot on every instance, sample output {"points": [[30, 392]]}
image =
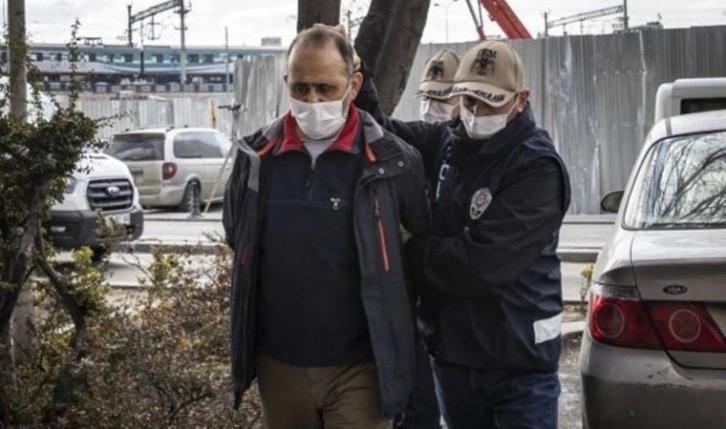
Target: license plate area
{"points": [[118, 219]]}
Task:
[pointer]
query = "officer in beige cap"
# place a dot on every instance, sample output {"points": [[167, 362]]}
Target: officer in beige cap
{"points": [[489, 277], [436, 83]]}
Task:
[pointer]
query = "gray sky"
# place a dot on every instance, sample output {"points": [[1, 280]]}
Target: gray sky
{"points": [[250, 20]]}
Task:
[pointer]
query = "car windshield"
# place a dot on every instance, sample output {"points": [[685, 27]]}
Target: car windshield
{"points": [[682, 184], [137, 147]]}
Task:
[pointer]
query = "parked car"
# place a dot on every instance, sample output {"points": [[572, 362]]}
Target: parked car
{"points": [[101, 185], [654, 351], [175, 167], [694, 95]]}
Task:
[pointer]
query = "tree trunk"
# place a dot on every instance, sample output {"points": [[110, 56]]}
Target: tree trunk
{"points": [[311, 12], [67, 384], [373, 31], [388, 41]]}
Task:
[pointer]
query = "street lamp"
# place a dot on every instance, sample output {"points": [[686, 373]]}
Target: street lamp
{"points": [[446, 15]]}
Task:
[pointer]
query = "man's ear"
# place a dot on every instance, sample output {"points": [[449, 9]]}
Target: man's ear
{"points": [[356, 82], [523, 98]]}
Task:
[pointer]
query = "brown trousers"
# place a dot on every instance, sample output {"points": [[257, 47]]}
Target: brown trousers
{"points": [[316, 398]]}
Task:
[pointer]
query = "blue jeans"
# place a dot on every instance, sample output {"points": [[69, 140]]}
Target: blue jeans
{"points": [[471, 398]]}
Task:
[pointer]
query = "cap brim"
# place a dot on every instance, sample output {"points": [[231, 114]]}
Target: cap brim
{"points": [[489, 94], [435, 90]]}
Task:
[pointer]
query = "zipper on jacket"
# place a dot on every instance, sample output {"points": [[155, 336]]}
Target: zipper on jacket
{"points": [[381, 233]]}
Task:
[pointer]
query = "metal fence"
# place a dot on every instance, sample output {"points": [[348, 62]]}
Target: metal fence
{"points": [[594, 94]]}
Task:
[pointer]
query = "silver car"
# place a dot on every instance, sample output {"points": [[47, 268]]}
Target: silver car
{"points": [[654, 352], [175, 167]]}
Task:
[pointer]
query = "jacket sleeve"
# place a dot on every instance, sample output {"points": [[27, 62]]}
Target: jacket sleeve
{"points": [[414, 203], [233, 197], [425, 137], [503, 243]]}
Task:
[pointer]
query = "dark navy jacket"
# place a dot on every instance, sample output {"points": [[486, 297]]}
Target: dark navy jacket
{"points": [[490, 273]]}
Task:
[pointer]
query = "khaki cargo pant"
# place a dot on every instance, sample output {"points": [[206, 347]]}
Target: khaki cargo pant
{"points": [[317, 398]]}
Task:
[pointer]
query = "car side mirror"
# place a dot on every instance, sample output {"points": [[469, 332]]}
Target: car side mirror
{"points": [[611, 202]]}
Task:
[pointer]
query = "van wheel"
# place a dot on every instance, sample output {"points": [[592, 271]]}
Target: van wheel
{"points": [[99, 252], [191, 202]]}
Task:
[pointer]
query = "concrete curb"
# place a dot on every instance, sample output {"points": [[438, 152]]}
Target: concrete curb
{"points": [[578, 255], [572, 330], [202, 218], [194, 248], [217, 217], [573, 255]]}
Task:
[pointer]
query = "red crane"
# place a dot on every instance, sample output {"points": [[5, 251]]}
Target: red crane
{"points": [[500, 12]]}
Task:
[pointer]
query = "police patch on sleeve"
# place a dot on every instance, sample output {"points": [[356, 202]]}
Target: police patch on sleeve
{"points": [[479, 203]]}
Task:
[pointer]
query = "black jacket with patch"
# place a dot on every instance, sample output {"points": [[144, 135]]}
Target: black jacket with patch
{"points": [[390, 191], [490, 272]]}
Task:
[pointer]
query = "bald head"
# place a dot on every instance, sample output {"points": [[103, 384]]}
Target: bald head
{"points": [[321, 67], [323, 38]]}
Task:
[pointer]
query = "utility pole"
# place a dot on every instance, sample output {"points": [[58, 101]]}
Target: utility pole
{"points": [[141, 50], [18, 332], [17, 49], [625, 16], [226, 57], [547, 26], [130, 30], [153, 29], [183, 56]]}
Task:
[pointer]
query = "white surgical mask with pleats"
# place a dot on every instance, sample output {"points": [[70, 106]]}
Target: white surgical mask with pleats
{"points": [[483, 127], [319, 121], [433, 111]]}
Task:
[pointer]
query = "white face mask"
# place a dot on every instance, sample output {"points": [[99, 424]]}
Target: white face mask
{"points": [[433, 111], [483, 127], [319, 121]]}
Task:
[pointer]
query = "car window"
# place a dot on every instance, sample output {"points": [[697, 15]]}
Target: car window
{"points": [[197, 144], [224, 143], [682, 184], [209, 145], [137, 147], [186, 146]]}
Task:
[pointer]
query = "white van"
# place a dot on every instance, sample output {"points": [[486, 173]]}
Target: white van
{"points": [[100, 184], [685, 96]]}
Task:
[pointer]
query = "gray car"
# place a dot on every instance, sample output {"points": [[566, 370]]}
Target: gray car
{"points": [[175, 167], [654, 352]]}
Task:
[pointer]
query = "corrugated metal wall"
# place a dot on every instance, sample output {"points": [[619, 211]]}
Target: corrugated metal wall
{"points": [[594, 94]]}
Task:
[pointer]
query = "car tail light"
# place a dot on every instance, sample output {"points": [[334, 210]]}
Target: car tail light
{"points": [[168, 170], [686, 326], [617, 316]]}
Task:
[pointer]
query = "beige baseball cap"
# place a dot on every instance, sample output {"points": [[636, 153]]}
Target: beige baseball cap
{"points": [[492, 72], [438, 75]]}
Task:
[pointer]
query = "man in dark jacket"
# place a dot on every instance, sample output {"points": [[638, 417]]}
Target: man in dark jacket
{"points": [[437, 80], [321, 313], [490, 272]]}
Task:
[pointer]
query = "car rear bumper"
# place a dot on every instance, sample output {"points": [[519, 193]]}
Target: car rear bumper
{"points": [[168, 196], [74, 229], [628, 388]]}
